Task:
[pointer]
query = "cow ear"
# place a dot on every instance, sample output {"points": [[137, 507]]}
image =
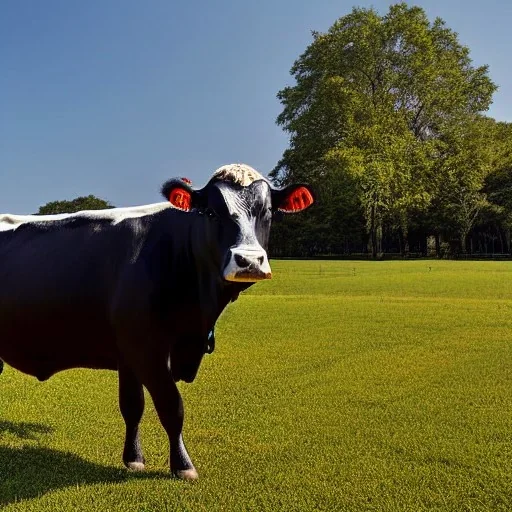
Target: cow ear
{"points": [[292, 199], [180, 198], [179, 193]]}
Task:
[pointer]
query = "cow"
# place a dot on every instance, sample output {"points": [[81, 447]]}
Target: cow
{"points": [[137, 290]]}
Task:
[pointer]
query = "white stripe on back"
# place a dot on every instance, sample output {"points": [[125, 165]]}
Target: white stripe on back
{"points": [[10, 222]]}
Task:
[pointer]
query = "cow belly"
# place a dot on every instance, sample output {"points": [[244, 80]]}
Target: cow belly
{"points": [[44, 341]]}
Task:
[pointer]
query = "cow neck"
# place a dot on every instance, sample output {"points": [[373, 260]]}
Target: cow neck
{"points": [[191, 282], [207, 288]]}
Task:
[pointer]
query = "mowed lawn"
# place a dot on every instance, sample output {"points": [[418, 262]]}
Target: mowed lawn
{"points": [[338, 385]]}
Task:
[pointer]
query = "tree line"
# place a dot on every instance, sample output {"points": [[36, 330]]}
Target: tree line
{"points": [[386, 120]]}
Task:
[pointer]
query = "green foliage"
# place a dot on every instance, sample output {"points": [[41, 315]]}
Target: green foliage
{"points": [[498, 183], [334, 223], [78, 204], [372, 99], [354, 386], [465, 159]]}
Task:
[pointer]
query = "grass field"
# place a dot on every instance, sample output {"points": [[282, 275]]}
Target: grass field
{"points": [[353, 386]]}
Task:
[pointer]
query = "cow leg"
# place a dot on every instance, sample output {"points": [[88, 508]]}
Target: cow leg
{"points": [[131, 403], [169, 406]]}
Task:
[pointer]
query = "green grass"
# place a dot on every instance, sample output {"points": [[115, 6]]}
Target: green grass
{"points": [[348, 385]]}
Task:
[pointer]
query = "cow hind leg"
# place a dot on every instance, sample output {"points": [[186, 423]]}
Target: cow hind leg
{"points": [[169, 406], [131, 403]]}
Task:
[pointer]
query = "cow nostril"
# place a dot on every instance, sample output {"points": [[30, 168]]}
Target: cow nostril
{"points": [[260, 260], [241, 261]]}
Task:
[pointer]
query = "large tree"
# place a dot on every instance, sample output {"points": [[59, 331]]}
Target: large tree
{"points": [[372, 96], [89, 202]]}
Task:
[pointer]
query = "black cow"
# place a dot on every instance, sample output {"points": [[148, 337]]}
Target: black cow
{"points": [[137, 290]]}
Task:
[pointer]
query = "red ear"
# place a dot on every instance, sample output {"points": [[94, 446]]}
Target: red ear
{"points": [[180, 198], [296, 200]]}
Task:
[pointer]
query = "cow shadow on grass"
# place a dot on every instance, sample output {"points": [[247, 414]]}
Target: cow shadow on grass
{"points": [[31, 471], [24, 430]]}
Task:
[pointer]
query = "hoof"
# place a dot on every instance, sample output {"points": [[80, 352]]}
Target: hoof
{"points": [[135, 466], [186, 474]]}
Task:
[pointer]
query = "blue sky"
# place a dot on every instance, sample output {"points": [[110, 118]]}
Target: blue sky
{"points": [[113, 97]]}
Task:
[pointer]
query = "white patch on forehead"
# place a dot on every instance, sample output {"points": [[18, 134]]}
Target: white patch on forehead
{"points": [[234, 201], [239, 174], [10, 222], [240, 210]]}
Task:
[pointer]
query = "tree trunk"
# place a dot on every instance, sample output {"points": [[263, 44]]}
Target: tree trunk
{"points": [[404, 228], [373, 232], [378, 233], [463, 240]]}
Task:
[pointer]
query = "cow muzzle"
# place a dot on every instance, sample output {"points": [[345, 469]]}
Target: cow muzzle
{"points": [[247, 266]]}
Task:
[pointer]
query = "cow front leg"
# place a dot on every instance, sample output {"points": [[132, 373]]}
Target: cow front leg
{"points": [[169, 406], [131, 403]]}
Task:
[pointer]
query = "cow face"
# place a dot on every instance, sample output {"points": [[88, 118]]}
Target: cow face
{"points": [[240, 203]]}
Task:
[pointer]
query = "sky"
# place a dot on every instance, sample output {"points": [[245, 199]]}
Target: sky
{"points": [[113, 97]]}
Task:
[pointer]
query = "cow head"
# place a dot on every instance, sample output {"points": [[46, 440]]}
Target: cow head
{"points": [[240, 203]]}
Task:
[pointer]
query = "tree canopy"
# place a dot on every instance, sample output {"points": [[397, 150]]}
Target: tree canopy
{"points": [[89, 202], [386, 120]]}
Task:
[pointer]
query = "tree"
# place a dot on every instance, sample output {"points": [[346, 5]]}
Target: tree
{"points": [[389, 169], [89, 202], [465, 157], [372, 96], [498, 183]]}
